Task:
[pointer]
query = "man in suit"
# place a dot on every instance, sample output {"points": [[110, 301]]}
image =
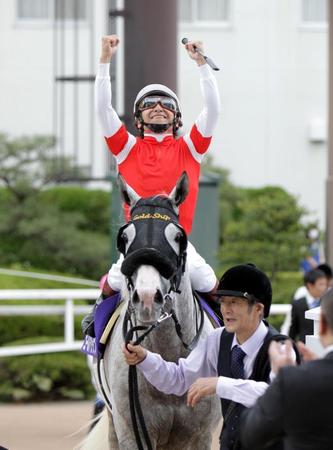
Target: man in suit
{"points": [[316, 284], [297, 407], [232, 362]]}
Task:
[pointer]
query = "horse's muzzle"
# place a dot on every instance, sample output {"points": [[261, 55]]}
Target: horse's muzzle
{"points": [[149, 257]]}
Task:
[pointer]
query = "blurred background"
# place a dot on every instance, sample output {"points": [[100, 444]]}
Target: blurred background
{"points": [[266, 188]]}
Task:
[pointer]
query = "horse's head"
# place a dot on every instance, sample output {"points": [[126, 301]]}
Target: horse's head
{"points": [[154, 248]]}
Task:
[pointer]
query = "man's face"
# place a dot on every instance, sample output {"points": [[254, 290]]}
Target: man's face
{"points": [[318, 288], [157, 114], [239, 317]]}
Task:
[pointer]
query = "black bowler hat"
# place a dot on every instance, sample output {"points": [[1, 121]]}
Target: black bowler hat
{"points": [[247, 281]]}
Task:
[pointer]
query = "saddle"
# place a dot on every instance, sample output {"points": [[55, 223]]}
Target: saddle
{"points": [[106, 316]]}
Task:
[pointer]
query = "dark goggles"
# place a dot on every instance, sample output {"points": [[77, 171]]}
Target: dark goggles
{"points": [[151, 101]]}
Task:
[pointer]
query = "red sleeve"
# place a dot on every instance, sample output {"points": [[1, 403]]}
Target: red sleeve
{"points": [[200, 142], [117, 142]]}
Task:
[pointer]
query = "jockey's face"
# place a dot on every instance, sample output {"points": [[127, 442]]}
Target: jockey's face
{"points": [[240, 317], [158, 115]]}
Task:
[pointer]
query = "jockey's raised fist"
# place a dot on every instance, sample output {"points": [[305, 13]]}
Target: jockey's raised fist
{"points": [[192, 47], [109, 47]]}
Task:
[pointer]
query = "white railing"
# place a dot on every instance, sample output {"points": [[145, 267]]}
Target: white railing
{"points": [[68, 309], [313, 341]]}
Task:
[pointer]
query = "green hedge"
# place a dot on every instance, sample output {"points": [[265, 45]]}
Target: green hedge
{"points": [[64, 229], [93, 204], [22, 327], [55, 376]]}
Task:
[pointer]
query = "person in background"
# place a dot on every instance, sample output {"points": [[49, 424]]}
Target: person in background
{"points": [[327, 269], [297, 407], [303, 292], [316, 285], [313, 251]]}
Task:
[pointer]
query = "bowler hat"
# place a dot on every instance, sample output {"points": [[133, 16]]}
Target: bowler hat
{"points": [[247, 281]]}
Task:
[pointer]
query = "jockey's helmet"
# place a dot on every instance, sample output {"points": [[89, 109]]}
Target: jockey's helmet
{"points": [[148, 97]]}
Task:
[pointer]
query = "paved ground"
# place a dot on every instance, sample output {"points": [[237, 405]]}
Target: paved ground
{"points": [[46, 426]]}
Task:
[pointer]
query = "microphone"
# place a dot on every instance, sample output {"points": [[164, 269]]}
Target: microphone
{"points": [[207, 59]]}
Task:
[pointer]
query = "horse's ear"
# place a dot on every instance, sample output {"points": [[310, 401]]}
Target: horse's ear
{"points": [[180, 191], [129, 196]]}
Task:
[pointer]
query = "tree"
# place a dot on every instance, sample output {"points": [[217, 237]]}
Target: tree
{"points": [[267, 232], [29, 163], [37, 231], [229, 195]]}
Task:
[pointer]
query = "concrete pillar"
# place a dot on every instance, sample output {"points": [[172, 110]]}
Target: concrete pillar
{"points": [[150, 48]]}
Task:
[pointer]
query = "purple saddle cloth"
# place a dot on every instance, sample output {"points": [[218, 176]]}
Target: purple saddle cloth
{"points": [[103, 312]]}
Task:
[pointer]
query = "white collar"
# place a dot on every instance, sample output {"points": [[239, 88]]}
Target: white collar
{"points": [[253, 343], [158, 137], [310, 299]]}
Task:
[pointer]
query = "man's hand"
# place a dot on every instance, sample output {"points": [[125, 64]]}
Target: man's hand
{"points": [[307, 354], [281, 355], [190, 47], [109, 47], [201, 388], [134, 354]]}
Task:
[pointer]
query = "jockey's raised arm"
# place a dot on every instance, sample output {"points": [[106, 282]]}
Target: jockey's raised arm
{"points": [[205, 123], [152, 162]]}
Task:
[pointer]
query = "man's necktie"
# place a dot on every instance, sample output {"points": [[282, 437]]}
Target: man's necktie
{"points": [[237, 365], [315, 303]]}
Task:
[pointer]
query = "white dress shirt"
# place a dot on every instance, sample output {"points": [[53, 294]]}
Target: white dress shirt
{"points": [[327, 350], [172, 378]]}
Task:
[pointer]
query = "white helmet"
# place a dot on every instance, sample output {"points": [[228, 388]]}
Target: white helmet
{"points": [[155, 89]]}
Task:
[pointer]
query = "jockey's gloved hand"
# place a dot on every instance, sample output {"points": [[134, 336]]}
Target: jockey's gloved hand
{"points": [[87, 324]]}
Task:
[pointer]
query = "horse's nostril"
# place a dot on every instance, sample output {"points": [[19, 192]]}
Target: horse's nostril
{"points": [[135, 298], [158, 297]]}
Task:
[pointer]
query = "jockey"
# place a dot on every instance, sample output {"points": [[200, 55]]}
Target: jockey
{"points": [[152, 162]]}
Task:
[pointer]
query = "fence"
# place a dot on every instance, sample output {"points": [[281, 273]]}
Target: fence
{"points": [[68, 309]]}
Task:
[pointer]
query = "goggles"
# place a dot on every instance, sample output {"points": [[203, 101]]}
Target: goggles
{"points": [[151, 101]]}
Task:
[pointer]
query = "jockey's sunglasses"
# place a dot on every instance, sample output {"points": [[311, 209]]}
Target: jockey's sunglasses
{"points": [[151, 101]]}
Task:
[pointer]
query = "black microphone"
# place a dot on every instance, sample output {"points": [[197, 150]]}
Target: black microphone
{"points": [[207, 59]]}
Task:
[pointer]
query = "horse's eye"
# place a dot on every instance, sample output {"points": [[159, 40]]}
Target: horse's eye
{"points": [[178, 237]]}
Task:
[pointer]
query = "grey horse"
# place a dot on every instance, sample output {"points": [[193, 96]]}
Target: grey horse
{"points": [[171, 424]]}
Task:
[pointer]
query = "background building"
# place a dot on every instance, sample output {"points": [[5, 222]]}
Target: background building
{"points": [[273, 83]]}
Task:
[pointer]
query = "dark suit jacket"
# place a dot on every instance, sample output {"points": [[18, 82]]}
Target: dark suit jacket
{"points": [[297, 406], [300, 326]]}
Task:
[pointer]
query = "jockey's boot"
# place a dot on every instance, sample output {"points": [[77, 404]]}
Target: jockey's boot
{"points": [[87, 324], [213, 301]]}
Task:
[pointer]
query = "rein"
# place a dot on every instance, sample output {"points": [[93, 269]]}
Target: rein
{"points": [[135, 407]]}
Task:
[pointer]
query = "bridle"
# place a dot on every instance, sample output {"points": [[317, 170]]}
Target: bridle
{"points": [[171, 266], [130, 326]]}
